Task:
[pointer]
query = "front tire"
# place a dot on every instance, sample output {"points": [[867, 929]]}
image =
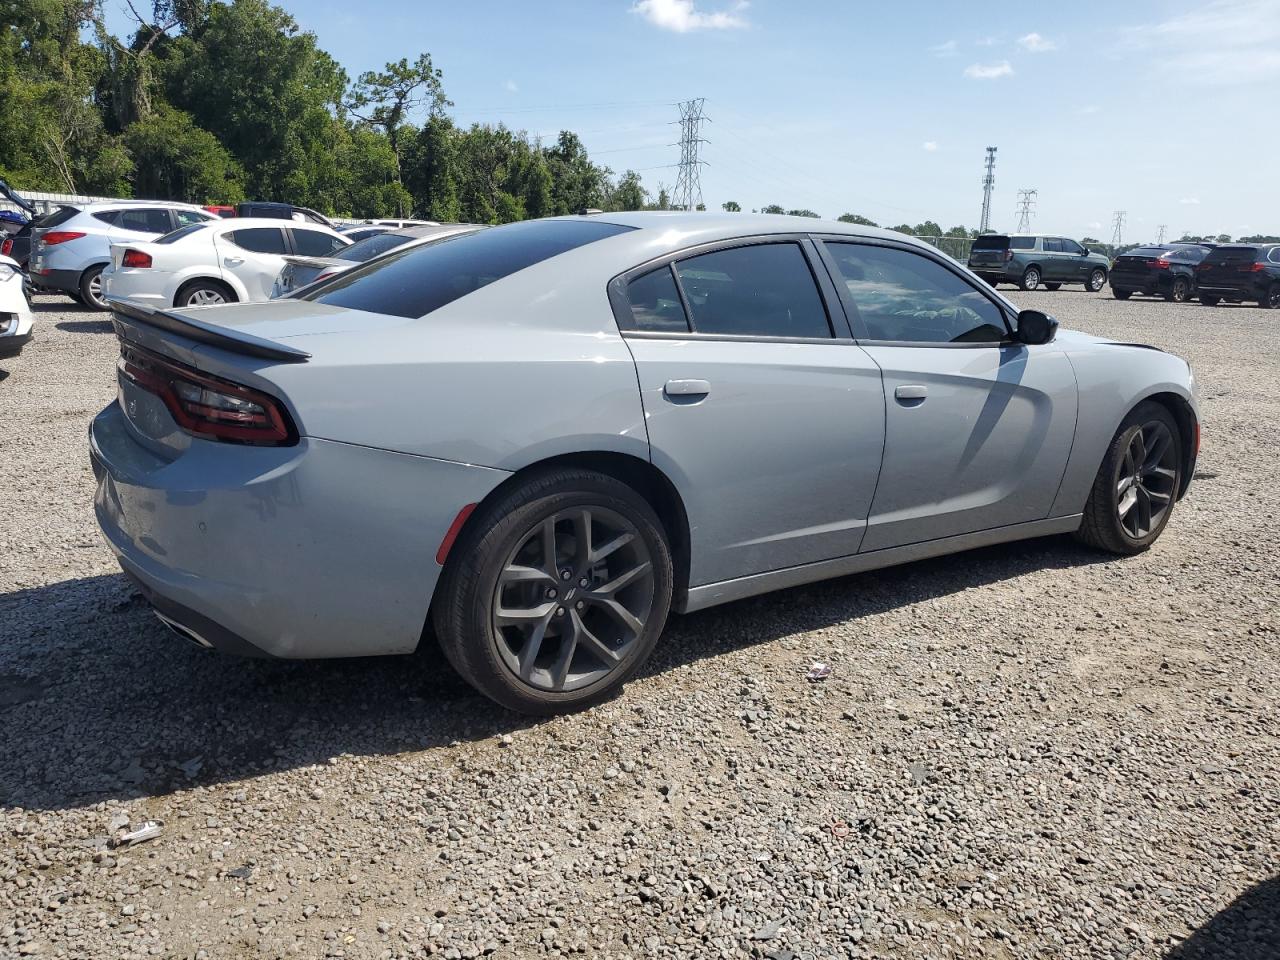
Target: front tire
{"points": [[1030, 278], [557, 592], [1097, 279], [1136, 486], [91, 288]]}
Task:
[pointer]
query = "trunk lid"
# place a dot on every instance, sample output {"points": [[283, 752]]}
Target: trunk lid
{"points": [[1227, 264]]}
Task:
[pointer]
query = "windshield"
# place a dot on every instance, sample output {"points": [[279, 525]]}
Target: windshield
{"points": [[413, 282]]}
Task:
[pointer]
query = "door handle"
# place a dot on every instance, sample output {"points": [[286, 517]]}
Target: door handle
{"points": [[909, 392], [687, 388], [233, 261]]}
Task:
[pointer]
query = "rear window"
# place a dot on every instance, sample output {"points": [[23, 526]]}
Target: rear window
{"points": [[991, 242], [1232, 255], [1147, 253], [416, 281], [57, 218], [176, 235], [370, 247]]}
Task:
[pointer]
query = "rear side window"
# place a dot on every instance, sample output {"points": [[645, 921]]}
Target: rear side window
{"points": [[1022, 243], [181, 232], [908, 298], [655, 303], [766, 290], [415, 281], [991, 241], [1275, 255], [57, 218], [145, 220], [1052, 245], [314, 243], [108, 216], [259, 239], [370, 247]]}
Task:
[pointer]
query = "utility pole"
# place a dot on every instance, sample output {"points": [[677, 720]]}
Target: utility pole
{"points": [[988, 184], [1160, 232], [688, 192], [1118, 225], [1026, 200]]}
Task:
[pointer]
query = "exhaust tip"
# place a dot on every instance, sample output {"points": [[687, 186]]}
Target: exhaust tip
{"points": [[185, 632]]}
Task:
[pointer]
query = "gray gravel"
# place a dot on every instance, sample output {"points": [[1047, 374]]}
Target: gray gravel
{"points": [[1025, 751]]}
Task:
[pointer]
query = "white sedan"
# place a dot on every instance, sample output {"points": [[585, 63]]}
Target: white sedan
{"points": [[220, 261], [15, 311]]}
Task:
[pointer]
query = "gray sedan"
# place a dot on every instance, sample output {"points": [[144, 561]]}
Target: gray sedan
{"points": [[540, 438]]}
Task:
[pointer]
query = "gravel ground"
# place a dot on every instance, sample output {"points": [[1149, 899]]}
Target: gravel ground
{"points": [[1025, 751]]}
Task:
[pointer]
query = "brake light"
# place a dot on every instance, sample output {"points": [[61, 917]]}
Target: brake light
{"points": [[136, 258], [54, 237], [1257, 267], [1008, 255], [1158, 264], [6, 247], [209, 406]]}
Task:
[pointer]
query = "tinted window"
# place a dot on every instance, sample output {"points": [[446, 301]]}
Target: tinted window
{"points": [[145, 220], [182, 232], [1022, 243], [907, 297], [313, 243], [370, 247], [764, 290], [1147, 253], [1275, 255], [108, 216], [258, 239], [1070, 246], [1052, 245], [364, 233], [57, 218], [415, 281], [991, 242], [655, 302], [1231, 255], [187, 217]]}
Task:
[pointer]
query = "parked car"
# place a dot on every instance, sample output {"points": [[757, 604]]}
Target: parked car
{"points": [[300, 271], [401, 224], [15, 310], [72, 246], [282, 211], [221, 209], [1032, 260], [17, 247], [1238, 272], [358, 232], [224, 261], [544, 436], [1160, 270]]}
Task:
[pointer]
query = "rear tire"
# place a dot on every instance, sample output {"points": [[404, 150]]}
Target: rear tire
{"points": [[514, 617], [1272, 299], [1209, 301], [1121, 294], [1030, 279], [203, 293], [1097, 280], [1137, 484], [91, 288], [1181, 290], [1052, 286]]}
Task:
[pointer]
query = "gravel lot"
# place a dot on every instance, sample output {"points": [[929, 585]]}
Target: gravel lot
{"points": [[1025, 751]]}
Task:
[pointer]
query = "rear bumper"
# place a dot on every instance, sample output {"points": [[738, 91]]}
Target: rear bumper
{"points": [[1241, 291], [322, 549], [68, 281], [997, 271]]}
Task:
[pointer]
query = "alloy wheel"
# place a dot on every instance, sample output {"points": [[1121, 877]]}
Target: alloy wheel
{"points": [[1147, 479], [204, 297], [1031, 279], [1273, 297], [1096, 280], [572, 599], [1181, 290], [95, 290]]}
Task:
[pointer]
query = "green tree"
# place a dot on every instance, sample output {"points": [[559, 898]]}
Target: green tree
{"points": [[801, 213], [731, 206], [430, 171], [181, 161], [576, 182], [1222, 238], [927, 229], [627, 193], [904, 228], [773, 208], [856, 218]]}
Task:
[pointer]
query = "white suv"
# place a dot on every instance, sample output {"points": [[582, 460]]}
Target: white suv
{"points": [[70, 247]]}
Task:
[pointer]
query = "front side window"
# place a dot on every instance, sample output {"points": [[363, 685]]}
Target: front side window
{"points": [[765, 290], [655, 303], [145, 220], [1070, 246], [314, 243], [905, 297], [186, 218], [259, 239]]}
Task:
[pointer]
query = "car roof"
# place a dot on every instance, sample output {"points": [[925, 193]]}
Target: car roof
{"points": [[240, 223], [97, 205]]}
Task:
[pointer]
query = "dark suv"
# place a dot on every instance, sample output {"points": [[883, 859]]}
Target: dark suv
{"points": [[1239, 272], [1161, 270], [1032, 260]]}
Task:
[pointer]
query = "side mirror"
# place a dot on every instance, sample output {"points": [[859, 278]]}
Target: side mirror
{"points": [[1036, 327]]}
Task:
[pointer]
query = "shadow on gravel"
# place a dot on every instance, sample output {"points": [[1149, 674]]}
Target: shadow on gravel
{"points": [[4, 375], [99, 701], [1248, 929], [86, 326]]}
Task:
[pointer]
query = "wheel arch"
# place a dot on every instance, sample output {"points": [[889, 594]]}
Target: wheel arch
{"points": [[638, 474], [1188, 431], [236, 295]]}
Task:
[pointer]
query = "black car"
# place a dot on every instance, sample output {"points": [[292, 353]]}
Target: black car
{"points": [[18, 246], [281, 211], [1238, 272], [1165, 270]]}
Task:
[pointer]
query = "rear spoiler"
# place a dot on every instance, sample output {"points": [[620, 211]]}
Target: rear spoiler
{"points": [[211, 334]]}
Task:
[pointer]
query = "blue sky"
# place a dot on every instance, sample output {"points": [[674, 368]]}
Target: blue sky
{"points": [[1163, 110]]}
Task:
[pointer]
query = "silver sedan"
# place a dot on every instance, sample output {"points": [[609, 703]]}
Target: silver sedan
{"points": [[540, 439]]}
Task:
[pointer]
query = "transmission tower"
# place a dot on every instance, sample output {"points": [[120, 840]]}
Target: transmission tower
{"points": [[1118, 224], [688, 192], [1026, 200], [988, 184], [1160, 232]]}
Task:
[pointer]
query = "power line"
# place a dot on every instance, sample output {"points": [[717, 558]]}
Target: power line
{"points": [[1118, 225], [688, 192], [1026, 200], [1160, 232], [988, 184]]}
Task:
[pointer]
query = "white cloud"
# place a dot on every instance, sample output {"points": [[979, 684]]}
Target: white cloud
{"points": [[930, 146], [988, 71], [1034, 43], [947, 49], [1224, 42], [681, 16], [1190, 201], [510, 87], [986, 41]]}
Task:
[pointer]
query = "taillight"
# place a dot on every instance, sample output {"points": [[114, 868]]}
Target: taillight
{"points": [[135, 258], [1008, 255], [209, 406], [1158, 264], [6, 246], [54, 237], [1257, 267]]}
